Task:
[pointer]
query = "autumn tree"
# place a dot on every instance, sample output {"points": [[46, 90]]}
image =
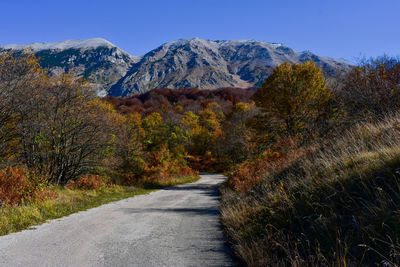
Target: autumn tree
{"points": [[372, 89], [129, 144], [18, 74], [155, 132], [63, 128], [236, 144], [293, 99], [210, 119], [191, 128], [52, 125]]}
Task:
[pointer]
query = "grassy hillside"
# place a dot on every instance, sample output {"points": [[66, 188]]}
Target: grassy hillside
{"points": [[331, 204]]}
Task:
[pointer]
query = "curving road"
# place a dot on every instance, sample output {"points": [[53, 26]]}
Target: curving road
{"points": [[177, 226]]}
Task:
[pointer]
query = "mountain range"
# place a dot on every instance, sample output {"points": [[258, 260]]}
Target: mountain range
{"points": [[194, 62]]}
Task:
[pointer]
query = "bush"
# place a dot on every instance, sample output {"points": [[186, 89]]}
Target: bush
{"points": [[187, 171], [17, 186], [249, 174], [87, 182], [165, 173], [372, 89]]}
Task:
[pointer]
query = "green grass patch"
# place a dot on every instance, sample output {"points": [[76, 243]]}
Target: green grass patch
{"points": [[17, 218]]}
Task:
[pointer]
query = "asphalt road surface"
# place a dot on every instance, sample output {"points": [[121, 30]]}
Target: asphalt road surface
{"points": [[177, 226]]}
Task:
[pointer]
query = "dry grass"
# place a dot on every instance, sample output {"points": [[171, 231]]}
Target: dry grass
{"points": [[333, 204]]}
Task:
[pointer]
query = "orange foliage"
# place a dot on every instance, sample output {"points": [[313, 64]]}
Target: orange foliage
{"points": [[204, 162], [250, 173], [87, 182], [168, 171], [16, 187]]}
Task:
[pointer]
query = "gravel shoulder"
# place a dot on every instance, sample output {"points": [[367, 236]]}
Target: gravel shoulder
{"points": [[176, 226]]}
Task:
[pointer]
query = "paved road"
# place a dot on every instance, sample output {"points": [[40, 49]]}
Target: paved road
{"points": [[177, 226]]}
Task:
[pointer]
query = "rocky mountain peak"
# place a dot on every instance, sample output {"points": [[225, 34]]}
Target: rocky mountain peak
{"points": [[190, 62]]}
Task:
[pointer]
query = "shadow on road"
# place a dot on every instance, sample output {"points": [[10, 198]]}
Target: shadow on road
{"points": [[205, 190]]}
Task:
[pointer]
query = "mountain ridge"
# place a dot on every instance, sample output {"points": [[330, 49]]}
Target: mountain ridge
{"points": [[188, 62]]}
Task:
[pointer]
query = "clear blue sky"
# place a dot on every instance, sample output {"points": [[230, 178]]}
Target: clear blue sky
{"points": [[337, 28]]}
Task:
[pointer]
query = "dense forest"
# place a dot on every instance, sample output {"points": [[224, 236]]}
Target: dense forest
{"points": [[313, 169]]}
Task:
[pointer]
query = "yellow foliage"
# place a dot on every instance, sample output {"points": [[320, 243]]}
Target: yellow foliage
{"points": [[294, 96]]}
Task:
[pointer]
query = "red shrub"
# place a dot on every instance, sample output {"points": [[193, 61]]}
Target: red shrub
{"points": [[248, 174], [169, 172], [16, 186], [187, 171], [88, 182]]}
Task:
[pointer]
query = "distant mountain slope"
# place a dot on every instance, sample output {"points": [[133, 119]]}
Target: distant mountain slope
{"points": [[97, 60], [211, 64], [182, 63]]}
